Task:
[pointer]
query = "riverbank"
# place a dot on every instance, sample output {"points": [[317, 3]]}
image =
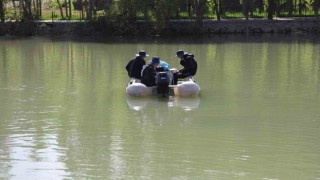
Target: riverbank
{"points": [[174, 27]]}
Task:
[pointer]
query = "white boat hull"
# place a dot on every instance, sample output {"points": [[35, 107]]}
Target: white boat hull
{"points": [[187, 87], [136, 88]]}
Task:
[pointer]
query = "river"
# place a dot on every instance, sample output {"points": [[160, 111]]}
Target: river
{"points": [[64, 113]]}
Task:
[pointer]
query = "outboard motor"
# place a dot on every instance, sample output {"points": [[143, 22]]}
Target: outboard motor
{"points": [[163, 80]]}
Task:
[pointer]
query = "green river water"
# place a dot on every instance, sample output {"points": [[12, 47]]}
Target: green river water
{"points": [[64, 113]]}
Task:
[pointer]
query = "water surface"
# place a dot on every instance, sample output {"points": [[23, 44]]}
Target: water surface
{"points": [[64, 113]]}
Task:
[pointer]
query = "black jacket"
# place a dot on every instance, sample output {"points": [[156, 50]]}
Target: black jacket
{"points": [[134, 67], [148, 76], [189, 64]]}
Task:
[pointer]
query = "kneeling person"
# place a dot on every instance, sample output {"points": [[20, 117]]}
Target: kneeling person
{"points": [[189, 64], [148, 73]]}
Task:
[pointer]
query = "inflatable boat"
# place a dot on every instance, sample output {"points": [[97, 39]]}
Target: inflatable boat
{"points": [[165, 86]]}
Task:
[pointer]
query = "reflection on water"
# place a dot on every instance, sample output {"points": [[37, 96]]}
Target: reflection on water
{"points": [[185, 103], [159, 110]]}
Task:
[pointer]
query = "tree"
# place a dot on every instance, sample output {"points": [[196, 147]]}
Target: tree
{"points": [[127, 15], [290, 6], [70, 9], [2, 17], [37, 6], [222, 6], [270, 9], [200, 7], [60, 8], [189, 5], [147, 6], [66, 8], [215, 7], [14, 8], [128, 10], [26, 9], [247, 8], [160, 14], [315, 4]]}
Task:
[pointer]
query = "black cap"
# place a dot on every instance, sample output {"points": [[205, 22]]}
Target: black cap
{"points": [[180, 53], [155, 60], [142, 53]]}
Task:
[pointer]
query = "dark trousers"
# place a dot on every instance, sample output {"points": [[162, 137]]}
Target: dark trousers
{"points": [[177, 76]]}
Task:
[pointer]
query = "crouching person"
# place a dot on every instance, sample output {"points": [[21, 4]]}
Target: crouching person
{"points": [[189, 66], [148, 73]]}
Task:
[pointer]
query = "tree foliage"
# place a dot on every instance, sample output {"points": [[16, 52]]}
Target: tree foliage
{"points": [[128, 12]]}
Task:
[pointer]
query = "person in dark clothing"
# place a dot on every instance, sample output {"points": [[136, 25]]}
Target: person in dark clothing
{"points": [[148, 73], [135, 65], [189, 64]]}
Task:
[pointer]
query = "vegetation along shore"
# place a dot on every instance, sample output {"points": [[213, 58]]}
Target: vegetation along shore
{"points": [[158, 17]]}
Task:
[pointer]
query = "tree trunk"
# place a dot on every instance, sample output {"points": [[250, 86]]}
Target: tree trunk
{"points": [[200, 8], [246, 9], [290, 8], [82, 10], [189, 8], [27, 9], [35, 7], [2, 17], [270, 9], [40, 8], [66, 8], [221, 7], [316, 7], [90, 11], [70, 9], [60, 8], [300, 7], [93, 9], [251, 7], [160, 15], [217, 5]]}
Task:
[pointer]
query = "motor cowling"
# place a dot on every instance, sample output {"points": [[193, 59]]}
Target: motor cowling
{"points": [[163, 81]]}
